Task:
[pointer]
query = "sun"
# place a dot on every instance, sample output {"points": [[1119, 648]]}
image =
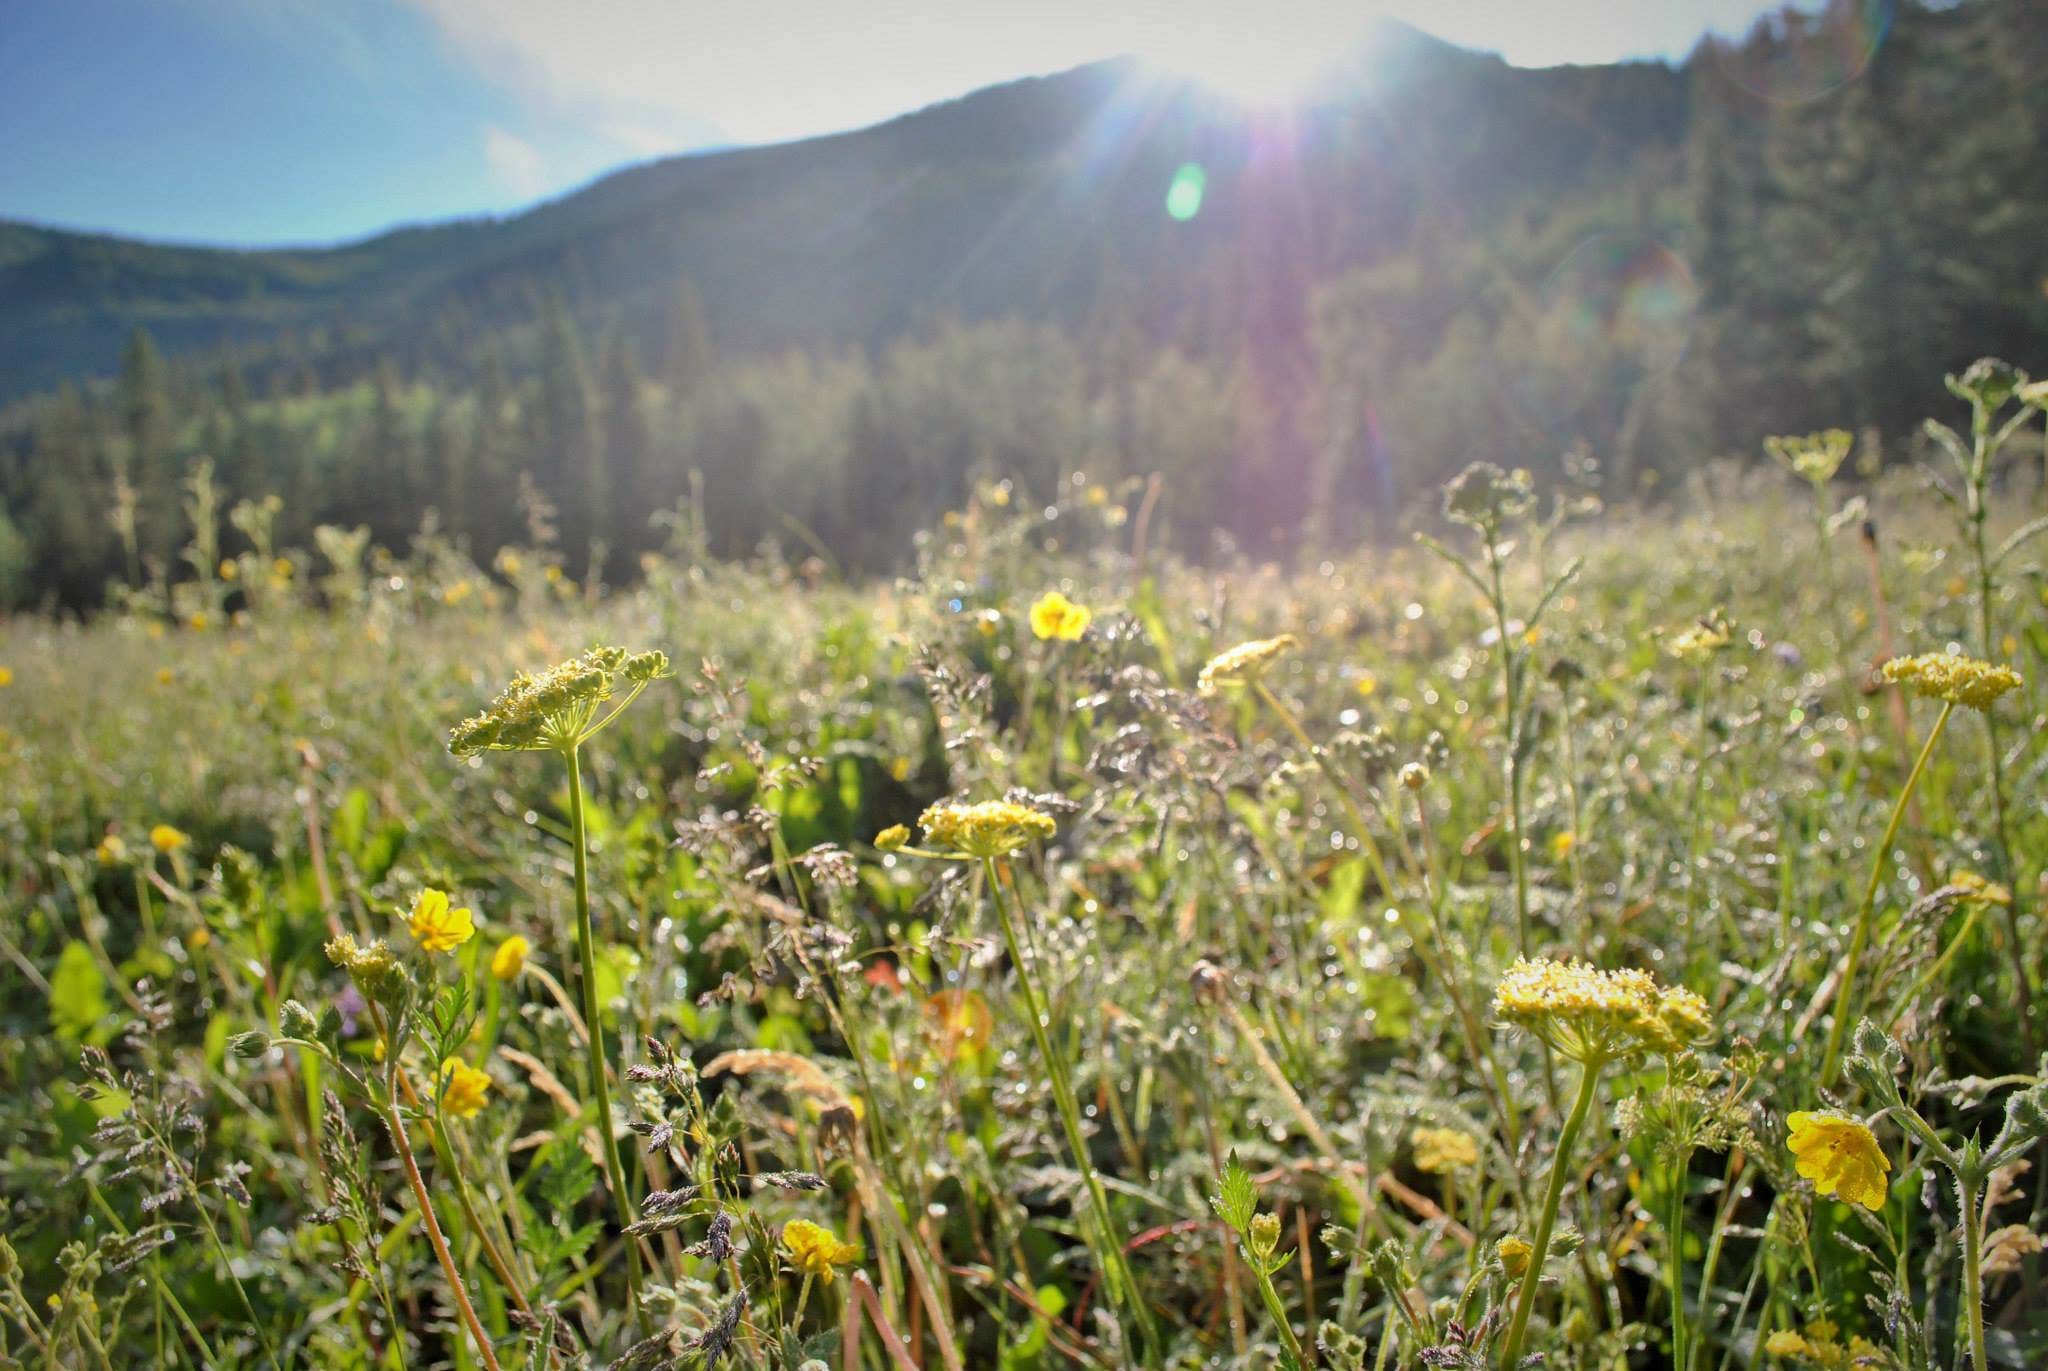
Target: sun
{"points": [[1277, 60]]}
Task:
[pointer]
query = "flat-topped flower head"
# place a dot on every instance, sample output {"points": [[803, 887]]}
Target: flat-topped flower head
{"points": [[815, 1249], [1814, 457], [1245, 663], [992, 828], [1055, 616], [1593, 1016], [1442, 1151], [1840, 1156], [557, 709], [1954, 678], [1701, 639], [435, 926]]}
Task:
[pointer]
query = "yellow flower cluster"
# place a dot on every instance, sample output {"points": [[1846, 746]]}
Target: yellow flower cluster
{"points": [[166, 839], [1055, 616], [1815, 457], [1952, 677], [435, 926], [1840, 1156], [993, 828], [815, 1249], [1244, 663], [553, 711], [1701, 640], [1816, 1346], [1442, 1151], [1592, 1016]]}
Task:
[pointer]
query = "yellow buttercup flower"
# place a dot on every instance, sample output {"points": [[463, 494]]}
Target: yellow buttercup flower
{"points": [[1244, 663], [1593, 1016], [1441, 1151], [435, 926], [463, 1088], [166, 839], [1514, 1254], [993, 828], [1055, 616], [510, 958], [1840, 1156], [1952, 677], [814, 1249]]}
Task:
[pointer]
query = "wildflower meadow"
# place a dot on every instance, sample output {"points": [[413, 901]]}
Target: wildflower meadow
{"points": [[1568, 934]]}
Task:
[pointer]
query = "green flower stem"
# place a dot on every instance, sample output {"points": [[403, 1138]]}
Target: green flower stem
{"points": [[1290, 1347], [1109, 1253], [1589, 1082], [1860, 934], [1674, 1233], [1967, 1193], [615, 1171]]}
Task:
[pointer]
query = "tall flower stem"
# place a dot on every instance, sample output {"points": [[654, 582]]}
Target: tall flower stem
{"points": [[396, 1125], [1109, 1253], [614, 1169], [1860, 934], [1511, 691], [1589, 1082]]}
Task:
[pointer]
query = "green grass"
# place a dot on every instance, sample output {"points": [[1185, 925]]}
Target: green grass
{"points": [[198, 1171]]}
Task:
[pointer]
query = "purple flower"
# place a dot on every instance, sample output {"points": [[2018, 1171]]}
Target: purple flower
{"points": [[349, 1003]]}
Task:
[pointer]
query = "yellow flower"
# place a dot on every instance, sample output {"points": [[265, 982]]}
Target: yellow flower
{"points": [[892, 838], [1840, 1156], [990, 622], [1244, 663], [1441, 1151], [1952, 677], [1786, 1343], [993, 828], [164, 675], [228, 570], [199, 939], [166, 839], [510, 958], [111, 851], [556, 709], [6, 676], [1701, 640], [1367, 683], [435, 926], [814, 1249], [1593, 1016], [463, 1089], [1514, 1256], [1561, 844], [1055, 616], [1975, 887]]}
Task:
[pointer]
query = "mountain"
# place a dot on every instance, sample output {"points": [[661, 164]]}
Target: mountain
{"points": [[1018, 201]]}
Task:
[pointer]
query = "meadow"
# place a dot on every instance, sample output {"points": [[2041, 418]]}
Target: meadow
{"points": [[1585, 936]]}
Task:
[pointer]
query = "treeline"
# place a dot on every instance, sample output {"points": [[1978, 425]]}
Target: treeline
{"points": [[1853, 208]]}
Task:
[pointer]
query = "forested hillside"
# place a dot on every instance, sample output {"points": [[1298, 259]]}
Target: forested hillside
{"points": [[1300, 320]]}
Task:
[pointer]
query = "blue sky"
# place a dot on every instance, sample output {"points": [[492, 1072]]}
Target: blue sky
{"points": [[292, 121]]}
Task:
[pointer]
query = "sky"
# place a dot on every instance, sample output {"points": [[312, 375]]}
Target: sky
{"points": [[315, 121]]}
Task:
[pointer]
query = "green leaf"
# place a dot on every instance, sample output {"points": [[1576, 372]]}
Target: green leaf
{"points": [[78, 994], [1237, 1198]]}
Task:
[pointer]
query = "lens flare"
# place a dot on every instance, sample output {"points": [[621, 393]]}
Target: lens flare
{"points": [[1184, 194], [1801, 57], [1615, 313]]}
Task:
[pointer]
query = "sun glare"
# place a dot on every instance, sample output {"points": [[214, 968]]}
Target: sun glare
{"points": [[1277, 60]]}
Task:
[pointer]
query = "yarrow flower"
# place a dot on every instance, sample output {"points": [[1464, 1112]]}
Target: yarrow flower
{"points": [[463, 1088], [1840, 1156], [166, 839], [1245, 663], [1593, 1016], [557, 709], [1055, 616], [1814, 457], [993, 828], [1952, 677], [1700, 640], [510, 958], [435, 926], [815, 1249], [1442, 1151]]}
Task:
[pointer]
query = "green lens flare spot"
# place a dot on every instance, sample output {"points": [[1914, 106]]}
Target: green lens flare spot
{"points": [[1184, 195]]}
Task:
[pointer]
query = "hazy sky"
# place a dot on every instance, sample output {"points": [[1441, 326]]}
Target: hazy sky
{"points": [[269, 121]]}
